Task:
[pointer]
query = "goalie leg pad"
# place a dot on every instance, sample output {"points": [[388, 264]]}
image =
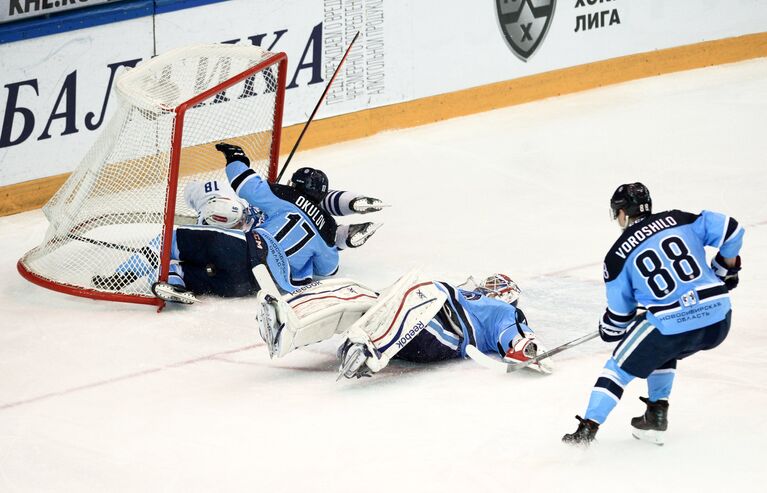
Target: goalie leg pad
{"points": [[400, 314], [313, 313]]}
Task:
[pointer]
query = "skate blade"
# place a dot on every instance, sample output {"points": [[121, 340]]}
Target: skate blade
{"points": [[268, 329], [361, 237], [166, 293], [651, 436], [352, 363]]}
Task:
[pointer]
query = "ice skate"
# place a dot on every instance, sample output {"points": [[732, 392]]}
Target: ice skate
{"points": [[365, 205], [353, 357], [584, 435], [359, 233], [652, 425], [268, 325], [173, 293]]}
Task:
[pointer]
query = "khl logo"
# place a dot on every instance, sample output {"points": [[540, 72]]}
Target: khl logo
{"points": [[524, 24]]}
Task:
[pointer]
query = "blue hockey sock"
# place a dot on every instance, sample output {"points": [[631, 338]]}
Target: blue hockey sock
{"points": [[659, 383], [607, 391], [176, 275]]}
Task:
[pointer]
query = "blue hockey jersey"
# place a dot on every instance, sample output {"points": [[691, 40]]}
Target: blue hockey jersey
{"points": [[302, 229], [487, 323], [659, 263]]}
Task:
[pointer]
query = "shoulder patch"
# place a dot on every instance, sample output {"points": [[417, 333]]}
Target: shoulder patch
{"points": [[470, 295]]}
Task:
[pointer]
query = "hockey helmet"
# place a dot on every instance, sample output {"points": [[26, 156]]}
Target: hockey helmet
{"points": [[633, 198], [500, 287], [222, 211], [311, 182]]}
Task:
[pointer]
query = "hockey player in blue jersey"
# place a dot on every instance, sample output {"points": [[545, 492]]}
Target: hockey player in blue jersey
{"points": [[294, 217], [664, 303], [415, 321]]}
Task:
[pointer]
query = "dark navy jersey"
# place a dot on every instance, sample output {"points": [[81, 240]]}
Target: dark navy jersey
{"points": [[660, 263]]}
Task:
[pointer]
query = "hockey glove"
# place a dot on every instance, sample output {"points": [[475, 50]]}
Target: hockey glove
{"points": [[609, 332], [728, 275], [233, 153]]}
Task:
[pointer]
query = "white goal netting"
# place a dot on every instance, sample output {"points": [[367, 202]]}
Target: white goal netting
{"points": [[129, 188]]}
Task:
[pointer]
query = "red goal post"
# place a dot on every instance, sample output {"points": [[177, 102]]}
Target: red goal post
{"points": [[128, 191]]}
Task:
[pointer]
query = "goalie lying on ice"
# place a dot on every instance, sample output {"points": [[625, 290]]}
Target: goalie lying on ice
{"points": [[418, 321]]}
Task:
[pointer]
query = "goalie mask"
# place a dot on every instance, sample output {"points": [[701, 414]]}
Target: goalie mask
{"points": [[221, 211], [500, 287]]}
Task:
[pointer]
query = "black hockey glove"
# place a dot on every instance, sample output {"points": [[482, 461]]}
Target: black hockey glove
{"points": [[233, 153], [609, 332], [728, 275]]}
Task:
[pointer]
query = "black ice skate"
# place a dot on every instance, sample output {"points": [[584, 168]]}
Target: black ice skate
{"points": [[115, 282], [653, 423], [584, 435], [359, 233]]}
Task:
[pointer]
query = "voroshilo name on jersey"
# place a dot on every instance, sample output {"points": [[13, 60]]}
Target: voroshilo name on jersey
{"points": [[641, 234]]}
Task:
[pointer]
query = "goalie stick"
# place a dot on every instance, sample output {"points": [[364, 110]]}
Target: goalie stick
{"points": [[317, 107], [502, 367]]}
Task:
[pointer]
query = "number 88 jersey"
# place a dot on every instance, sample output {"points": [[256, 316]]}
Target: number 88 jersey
{"points": [[660, 263]]}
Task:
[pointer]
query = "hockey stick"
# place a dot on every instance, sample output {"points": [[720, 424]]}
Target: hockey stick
{"points": [[147, 252], [317, 107], [107, 244], [499, 366]]}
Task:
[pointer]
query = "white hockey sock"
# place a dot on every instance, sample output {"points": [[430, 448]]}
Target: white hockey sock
{"points": [[342, 233], [337, 202]]}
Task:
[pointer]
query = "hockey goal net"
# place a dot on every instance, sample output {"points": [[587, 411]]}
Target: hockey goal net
{"points": [[128, 191]]}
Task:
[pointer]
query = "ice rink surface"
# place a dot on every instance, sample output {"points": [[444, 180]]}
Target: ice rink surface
{"points": [[96, 396]]}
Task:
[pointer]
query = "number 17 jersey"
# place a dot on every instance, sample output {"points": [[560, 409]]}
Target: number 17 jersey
{"points": [[659, 263]]}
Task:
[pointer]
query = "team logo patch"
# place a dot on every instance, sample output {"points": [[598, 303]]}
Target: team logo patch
{"points": [[524, 24]]}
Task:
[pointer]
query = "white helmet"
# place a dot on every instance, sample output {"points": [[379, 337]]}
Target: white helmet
{"points": [[222, 211], [500, 287]]}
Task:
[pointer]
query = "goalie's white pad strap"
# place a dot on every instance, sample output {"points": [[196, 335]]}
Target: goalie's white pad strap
{"points": [[400, 315], [265, 281], [319, 310]]}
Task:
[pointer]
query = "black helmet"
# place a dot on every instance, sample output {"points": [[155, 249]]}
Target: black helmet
{"points": [[633, 198], [311, 182]]}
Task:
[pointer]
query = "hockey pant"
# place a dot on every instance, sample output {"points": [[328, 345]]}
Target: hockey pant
{"points": [[212, 260], [645, 352]]}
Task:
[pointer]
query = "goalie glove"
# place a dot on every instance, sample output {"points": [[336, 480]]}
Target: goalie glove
{"points": [[728, 275], [232, 153], [525, 348], [365, 205]]}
